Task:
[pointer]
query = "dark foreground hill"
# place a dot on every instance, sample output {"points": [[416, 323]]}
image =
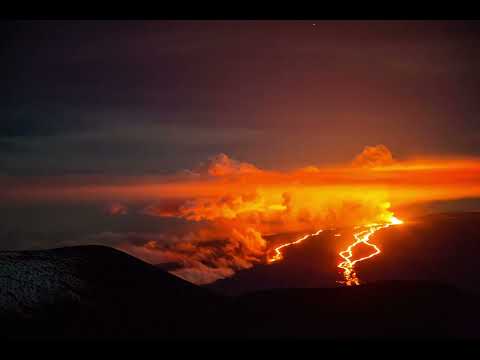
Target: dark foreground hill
{"points": [[99, 292], [96, 291], [396, 309]]}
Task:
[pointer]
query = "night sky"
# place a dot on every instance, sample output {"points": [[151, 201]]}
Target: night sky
{"points": [[131, 102], [136, 97]]}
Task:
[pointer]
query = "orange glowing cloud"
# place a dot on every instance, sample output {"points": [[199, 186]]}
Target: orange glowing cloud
{"points": [[373, 156], [238, 204], [373, 171]]}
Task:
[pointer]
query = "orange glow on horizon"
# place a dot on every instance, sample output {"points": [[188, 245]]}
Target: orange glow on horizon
{"points": [[405, 181], [243, 204]]}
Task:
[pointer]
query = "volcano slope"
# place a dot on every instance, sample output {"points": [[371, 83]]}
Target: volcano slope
{"points": [[440, 248], [99, 292]]}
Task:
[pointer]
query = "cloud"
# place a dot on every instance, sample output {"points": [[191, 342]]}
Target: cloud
{"points": [[222, 165], [199, 256], [203, 274], [372, 156], [126, 148], [227, 209]]}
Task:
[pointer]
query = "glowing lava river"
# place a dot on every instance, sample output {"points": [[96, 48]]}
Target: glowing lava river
{"points": [[348, 265], [278, 254], [361, 237]]}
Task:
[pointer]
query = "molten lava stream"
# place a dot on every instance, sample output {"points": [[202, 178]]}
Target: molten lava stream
{"points": [[361, 237], [278, 254], [348, 265]]}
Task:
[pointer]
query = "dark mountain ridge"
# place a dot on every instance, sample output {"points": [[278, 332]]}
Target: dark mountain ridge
{"points": [[95, 291], [99, 292]]}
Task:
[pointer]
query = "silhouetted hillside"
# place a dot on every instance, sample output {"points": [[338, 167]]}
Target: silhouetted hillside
{"points": [[96, 291], [379, 310], [100, 292]]}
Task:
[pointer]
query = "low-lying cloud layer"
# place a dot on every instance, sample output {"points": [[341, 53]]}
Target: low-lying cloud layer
{"points": [[230, 208]]}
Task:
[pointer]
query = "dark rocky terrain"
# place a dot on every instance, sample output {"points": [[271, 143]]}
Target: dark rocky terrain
{"points": [[99, 292], [96, 291], [390, 310]]}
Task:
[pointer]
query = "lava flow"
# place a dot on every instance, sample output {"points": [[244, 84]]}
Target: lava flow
{"points": [[361, 237], [278, 254], [348, 264]]}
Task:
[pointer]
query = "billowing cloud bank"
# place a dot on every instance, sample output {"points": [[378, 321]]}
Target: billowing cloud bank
{"points": [[230, 207]]}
